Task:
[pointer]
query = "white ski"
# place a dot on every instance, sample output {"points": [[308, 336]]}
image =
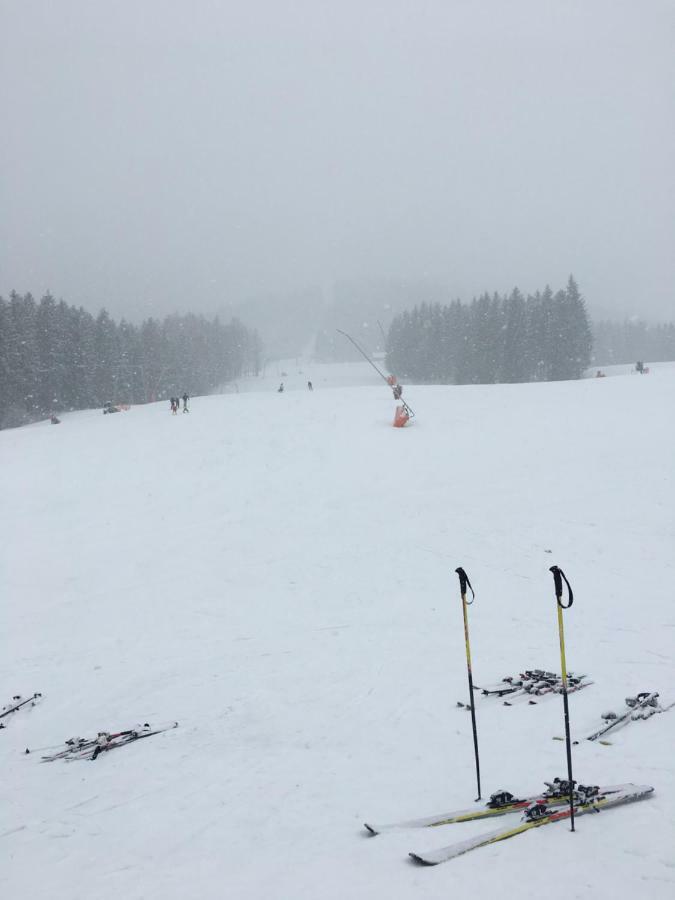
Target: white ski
{"points": [[628, 794]]}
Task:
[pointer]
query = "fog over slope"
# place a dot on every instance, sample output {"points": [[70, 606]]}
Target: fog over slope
{"points": [[171, 157]]}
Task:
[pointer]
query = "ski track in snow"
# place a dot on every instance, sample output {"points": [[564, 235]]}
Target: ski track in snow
{"points": [[276, 573]]}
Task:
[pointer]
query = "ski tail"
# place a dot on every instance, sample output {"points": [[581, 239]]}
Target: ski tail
{"points": [[434, 857]]}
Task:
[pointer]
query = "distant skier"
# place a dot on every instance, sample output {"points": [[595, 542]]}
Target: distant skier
{"points": [[640, 367], [54, 420], [397, 390], [185, 403], [309, 386], [280, 389], [174, 405]]}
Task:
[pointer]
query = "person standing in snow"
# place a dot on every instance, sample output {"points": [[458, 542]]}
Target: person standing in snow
{"points": [[309, 386], [280, 389], [185, 403]]}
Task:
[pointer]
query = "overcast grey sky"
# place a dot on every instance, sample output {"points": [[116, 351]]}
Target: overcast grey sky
{"points": [[159, 155]]}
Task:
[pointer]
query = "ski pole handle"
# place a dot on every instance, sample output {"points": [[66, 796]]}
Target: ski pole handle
{"points": [[463, 581], [558, 578]]}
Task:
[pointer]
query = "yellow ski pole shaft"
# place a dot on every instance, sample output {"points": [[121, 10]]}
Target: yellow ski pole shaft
{"points": [[463, 582], [558, 576]]}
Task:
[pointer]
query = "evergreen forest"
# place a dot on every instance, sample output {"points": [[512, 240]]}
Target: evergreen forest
{"points": [[55, 357], [541, 337]]}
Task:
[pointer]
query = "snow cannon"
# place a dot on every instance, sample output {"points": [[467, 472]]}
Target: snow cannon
{"points": [[401, 416], [403, 412]]}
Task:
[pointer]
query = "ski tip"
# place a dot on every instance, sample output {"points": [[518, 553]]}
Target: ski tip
{"points": [[420, 860]]}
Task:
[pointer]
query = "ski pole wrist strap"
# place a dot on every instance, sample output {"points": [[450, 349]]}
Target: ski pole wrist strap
{"points": [[463, 582], [558, 578]]}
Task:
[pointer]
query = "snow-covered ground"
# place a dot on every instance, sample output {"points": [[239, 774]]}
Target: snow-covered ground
{"points": [[276, 572]]}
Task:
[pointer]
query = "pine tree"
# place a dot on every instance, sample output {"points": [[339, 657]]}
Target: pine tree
{"points": [[580, 339], [570, 335], [7, 338], [485, 340], [516, 359], [50, 338], [24, 361]]}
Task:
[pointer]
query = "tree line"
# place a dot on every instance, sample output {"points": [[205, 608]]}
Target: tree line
{"points": [[542, 337], [55, 357]]}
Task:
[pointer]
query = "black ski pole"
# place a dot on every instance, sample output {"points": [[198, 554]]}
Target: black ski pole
{"points": [[558, 577], [463, 582]]}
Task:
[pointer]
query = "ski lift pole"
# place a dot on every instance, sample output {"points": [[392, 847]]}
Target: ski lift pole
{"points": [[363, 353], [463, 582], [558, 577]]}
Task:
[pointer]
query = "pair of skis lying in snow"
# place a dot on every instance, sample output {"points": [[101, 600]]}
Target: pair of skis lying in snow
{"points": [[17, 703], [84, 748], [91, 748], [643, 706], [541, 809], [530, 684]]}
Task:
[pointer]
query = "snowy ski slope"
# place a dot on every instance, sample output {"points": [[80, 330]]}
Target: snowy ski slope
{"points": [[276, 572]]}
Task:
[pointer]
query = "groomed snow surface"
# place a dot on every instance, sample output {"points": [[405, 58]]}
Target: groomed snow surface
{"points": [[276, 572]]}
